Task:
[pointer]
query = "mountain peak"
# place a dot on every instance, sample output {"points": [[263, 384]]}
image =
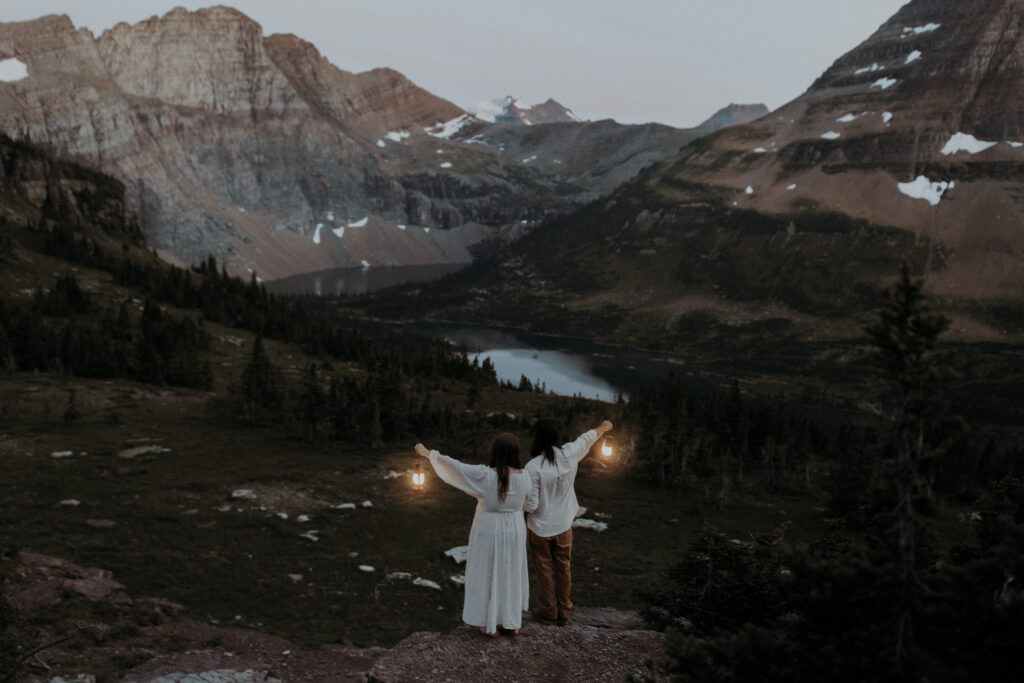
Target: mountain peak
{"points": [[733, 115], [507, 110]]}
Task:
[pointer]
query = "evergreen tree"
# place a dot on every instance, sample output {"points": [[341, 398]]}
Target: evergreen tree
{"points": [[261, 389], [905, 337]]}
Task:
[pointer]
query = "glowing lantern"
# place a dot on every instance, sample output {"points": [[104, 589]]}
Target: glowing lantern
{"points": [[606, 446], [419, 477]]}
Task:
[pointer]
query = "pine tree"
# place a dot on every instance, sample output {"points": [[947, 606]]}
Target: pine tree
{"points": [[905, 338], [261, 390]]}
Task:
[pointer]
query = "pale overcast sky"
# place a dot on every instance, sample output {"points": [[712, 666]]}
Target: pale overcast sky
{"points": [[672, 61]]}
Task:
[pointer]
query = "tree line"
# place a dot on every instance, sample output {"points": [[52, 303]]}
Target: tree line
{"points": [[310, 322], [877, 597], [65, 331]]}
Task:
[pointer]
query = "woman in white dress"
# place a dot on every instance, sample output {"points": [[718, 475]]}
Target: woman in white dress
{"points": [[497, 583]]}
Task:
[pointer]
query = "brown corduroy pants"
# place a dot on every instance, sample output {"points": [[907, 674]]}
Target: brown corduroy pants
{"points": [[552, 557]]}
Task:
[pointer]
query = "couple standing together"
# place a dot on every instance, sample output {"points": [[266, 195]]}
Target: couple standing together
{"points": [[497, 583]]}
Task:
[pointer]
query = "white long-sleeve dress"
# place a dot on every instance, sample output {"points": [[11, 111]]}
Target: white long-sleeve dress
{"points": [[497, 583]]}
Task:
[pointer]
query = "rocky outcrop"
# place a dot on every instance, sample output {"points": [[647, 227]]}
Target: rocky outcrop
{"points": [[35, 188], [597, 645]]}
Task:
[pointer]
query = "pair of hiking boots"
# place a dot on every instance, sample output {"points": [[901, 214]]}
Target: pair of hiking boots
{"points": [[548, 621]]}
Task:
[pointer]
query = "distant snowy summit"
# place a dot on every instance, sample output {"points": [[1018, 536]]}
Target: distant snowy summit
{"points": [[507, 110]]}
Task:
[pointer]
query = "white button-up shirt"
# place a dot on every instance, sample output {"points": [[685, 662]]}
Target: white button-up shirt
{"points": [[556, 496]]}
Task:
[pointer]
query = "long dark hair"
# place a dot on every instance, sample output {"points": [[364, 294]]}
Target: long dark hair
{"points": [[545, 438], [504, 455]]}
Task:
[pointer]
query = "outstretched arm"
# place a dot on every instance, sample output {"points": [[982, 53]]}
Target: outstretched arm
{"points": [[578, 449], [469, 478]]}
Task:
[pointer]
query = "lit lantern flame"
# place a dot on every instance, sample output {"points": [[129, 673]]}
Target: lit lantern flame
{"points": [[606, 447], [419, 478]]}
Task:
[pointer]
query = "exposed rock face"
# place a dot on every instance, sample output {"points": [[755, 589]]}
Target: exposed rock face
{"points": [[597, 645], [34, 187], [239, 145], [260, 151], [599, 155]]}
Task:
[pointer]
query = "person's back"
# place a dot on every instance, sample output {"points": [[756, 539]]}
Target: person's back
{"points": [[497, 589], [556, 478], [549, 527], [515, 497]]}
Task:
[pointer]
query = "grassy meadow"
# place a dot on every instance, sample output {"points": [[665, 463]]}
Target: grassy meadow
{"points": [[180, 535]]}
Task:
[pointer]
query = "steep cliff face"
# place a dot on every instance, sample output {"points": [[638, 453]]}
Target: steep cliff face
{"points": [[258, 150], [36, 189]]}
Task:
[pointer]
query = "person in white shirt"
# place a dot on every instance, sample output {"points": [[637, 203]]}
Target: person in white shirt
{"points": [[549, 527], [497, 589]]}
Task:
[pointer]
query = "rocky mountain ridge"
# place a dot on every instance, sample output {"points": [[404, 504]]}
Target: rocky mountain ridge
{"points": [[908, 147], [260, 151], [732, 115], [919, 127], [509, 111]]}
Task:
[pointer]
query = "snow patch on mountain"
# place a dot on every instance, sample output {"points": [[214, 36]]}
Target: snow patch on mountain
{"points": [[918, 30], [866, 69], [507, 110], [397, 136], [489, 110], [360, 223], [831, 135], [449, 128], [913, 57], [923, 188], [884, 83], [963, 142]]}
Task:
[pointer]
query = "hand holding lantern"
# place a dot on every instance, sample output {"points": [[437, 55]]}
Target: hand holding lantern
{"points": [[608, 443]]}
